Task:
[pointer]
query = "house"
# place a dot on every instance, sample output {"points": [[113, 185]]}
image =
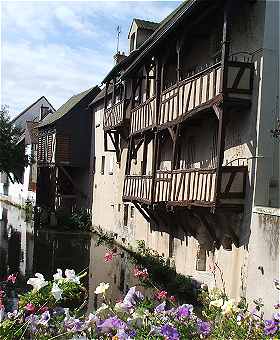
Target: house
{"points": [[23, 188], [188, 163], [64, 140]]}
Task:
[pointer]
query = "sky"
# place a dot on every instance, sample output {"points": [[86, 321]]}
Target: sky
{"points": [[58, 49]]}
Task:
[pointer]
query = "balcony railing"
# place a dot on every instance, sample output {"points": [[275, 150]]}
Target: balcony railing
{"points": [[143, 116], [114, 115], [196, 92], [190, 94], [138, 188], [188, 186], [53, 148], [200, 90]]}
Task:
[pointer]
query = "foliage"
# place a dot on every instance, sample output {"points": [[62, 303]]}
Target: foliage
{"points": [[12, 155], [161, 273], [42, 315], [80, 220]]}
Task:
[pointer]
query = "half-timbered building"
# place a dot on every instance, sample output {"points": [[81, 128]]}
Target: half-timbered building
{"points": [[64, 153], [189, 116]]}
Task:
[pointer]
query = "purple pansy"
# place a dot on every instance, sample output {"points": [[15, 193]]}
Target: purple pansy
{"points": [[74, 325], [45, 318], [160, 308], [203, 327], [270, 327], [184, 311], [111, 323], [132, 297], [170, 332]]}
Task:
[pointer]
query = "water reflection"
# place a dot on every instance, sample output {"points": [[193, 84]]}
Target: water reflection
{"points": [[25, 250], [16, 242]]}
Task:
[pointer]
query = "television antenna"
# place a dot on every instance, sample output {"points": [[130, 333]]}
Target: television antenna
{"points": [[118, 37]]}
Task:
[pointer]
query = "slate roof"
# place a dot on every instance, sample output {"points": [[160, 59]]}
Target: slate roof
{"points": [[101, 94], [66, 107], [136, 55], [166, 25], [121, 65], [26, 109], [147, 25]]}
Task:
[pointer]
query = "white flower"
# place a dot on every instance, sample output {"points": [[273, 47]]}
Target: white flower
{"points": [[101, 289], [228, 306], [67, 314], [58, 275], [101, 309], [37, 282], [71, 276], [217, 303], [56, 292]]}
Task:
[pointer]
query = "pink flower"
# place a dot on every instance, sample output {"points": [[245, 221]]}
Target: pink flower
{"points": [[141, 274], [30, 308], [108, 257], [161, 294], [172, 298], [12, 278], [43, 309]]}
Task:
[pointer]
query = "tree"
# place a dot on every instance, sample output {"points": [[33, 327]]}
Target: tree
{"points": [[12, 155]]}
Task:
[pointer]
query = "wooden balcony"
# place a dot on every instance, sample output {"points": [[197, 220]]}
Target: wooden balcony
{"points": [[188, 187], [138, 188], [143, 116], [201, 90], [53, 148], [114, 116]]}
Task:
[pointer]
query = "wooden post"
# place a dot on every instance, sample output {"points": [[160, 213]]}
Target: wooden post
{"points": [[178, 50], [106, 96], [223, 88], [114, 91]]}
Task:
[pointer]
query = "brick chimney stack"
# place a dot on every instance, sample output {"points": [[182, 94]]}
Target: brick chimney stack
{"points": [[118, 57]]}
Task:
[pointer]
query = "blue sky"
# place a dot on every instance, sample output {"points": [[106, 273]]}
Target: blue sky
{"points": [[58, 49]]}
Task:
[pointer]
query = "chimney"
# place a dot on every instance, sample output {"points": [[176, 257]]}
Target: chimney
{"points": [[118, 57]]}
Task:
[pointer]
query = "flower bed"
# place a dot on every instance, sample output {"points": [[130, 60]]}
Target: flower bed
{"points": [[42, 314]]}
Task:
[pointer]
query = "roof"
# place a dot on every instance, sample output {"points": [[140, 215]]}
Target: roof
{"points": [[26, 109], [101, 94], [144, 24], [66, 107], [121, 65], [164, 28]]}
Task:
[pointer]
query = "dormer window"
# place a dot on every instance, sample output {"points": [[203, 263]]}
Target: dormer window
{"points": [[140, 30]]}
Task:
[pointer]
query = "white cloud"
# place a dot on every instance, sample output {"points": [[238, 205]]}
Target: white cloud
{"points": [[55, 71], [58, 49], [67, 17]]}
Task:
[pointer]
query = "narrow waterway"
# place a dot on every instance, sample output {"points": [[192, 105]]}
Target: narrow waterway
{"points": [[25, 250]]}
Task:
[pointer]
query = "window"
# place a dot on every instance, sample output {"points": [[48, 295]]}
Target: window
{"points": [[201, 258], [125, 215], [102, 165], [132, 212], [119, 207]]}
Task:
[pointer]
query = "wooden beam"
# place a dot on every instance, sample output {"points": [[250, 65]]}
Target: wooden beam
{"points": [[77, 189], [223, 87], [217, 110], [115, 142], [138, 207]]}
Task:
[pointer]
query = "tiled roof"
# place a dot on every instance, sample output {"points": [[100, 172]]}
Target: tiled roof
{"points": [[66, 107]]}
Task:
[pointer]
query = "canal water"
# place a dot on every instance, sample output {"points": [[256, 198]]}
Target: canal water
{"points": [[26, 250]]}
